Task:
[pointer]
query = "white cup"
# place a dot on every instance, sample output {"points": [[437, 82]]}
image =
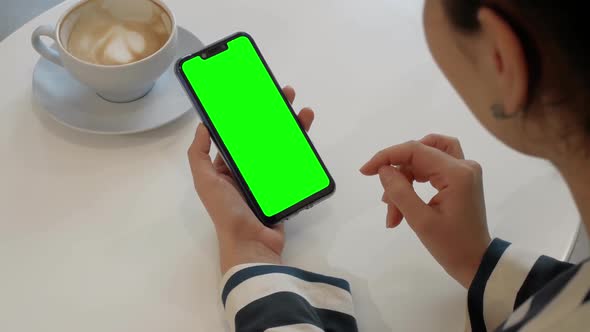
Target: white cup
{"points": [[116, 83]]}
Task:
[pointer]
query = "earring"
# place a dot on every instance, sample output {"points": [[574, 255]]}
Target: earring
{"points": [[499, 112]]}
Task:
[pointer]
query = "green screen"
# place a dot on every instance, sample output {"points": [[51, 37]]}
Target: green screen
{"points": [[257, 127]]}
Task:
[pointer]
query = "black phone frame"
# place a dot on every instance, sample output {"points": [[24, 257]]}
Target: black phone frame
{"points": [[250, 199]]}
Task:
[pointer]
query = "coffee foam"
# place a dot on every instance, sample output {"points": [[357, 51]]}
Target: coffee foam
{"points": [[115, 32]]}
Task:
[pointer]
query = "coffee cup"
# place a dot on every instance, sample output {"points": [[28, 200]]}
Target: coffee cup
{"points": [[117, 48]]}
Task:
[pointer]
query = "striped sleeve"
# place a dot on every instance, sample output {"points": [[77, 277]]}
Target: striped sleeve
{"points": [[506, 278], [281, 298]]}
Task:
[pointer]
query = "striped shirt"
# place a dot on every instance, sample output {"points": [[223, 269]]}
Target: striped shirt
{"points": [[512, 291]]}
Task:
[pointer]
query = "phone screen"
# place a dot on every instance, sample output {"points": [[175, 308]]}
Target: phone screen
{"points": [[256, 125]]}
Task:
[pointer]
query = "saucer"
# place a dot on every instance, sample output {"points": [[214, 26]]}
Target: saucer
{"points": [[75, 105]]}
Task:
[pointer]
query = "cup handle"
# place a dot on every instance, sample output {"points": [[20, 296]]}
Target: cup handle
{"points": [[42, 48]]}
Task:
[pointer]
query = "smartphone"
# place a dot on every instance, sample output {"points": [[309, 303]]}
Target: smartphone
{"points": [[255, 129]]}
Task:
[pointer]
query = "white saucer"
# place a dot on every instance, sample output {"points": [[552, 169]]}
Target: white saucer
{"points": [[77, 106]]}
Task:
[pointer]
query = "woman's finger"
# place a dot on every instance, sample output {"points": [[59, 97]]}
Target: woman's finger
{"points": [[220, 165], [306, 117], [198, 152], [407, 172], [449, 145], [401, 194], [218, 162], [423, 160], [289, 93], [394, 216]]}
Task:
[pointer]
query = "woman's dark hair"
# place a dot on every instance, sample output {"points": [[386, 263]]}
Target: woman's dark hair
{"points": [[554, 35]]}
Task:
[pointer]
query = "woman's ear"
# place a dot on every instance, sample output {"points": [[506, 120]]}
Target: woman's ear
{"points": [[506, 51]]}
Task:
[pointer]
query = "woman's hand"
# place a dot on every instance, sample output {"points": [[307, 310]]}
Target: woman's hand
{"points": [[242, 237], [453, 224]]}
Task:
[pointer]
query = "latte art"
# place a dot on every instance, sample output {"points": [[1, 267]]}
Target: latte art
{"points": [[106, 34]]}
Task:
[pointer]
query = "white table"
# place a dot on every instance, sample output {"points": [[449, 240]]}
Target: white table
{"points": [[106, 233]]}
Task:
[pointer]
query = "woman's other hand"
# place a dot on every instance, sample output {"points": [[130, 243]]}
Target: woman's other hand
{"points": [[453, 224]]}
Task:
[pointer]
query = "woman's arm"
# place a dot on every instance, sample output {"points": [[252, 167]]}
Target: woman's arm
{"points": [[506, 278], [262, 297]]}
